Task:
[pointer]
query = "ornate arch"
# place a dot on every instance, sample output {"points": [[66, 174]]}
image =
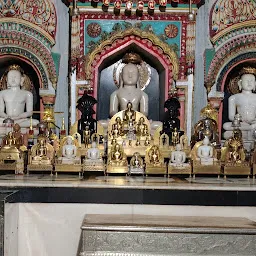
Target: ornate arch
{"points": [[29, 58], [23, 36], [232, 49], [244, 57], [134, 35], [229, 18]]}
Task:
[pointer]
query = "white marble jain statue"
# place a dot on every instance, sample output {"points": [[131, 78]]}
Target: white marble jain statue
{"points": [[178, 157], [93, 154], [14, 100], [243, 103], [129, 92], [69, 151], [205, 152]]}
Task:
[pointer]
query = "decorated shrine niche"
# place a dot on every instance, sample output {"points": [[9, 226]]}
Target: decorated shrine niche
{"points": [[27, 35], [165, 42], [232, 36]]}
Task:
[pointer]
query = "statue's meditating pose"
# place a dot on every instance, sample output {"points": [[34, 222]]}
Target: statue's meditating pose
{"points": [[205, 152], [178, 157], [136, 164], [244, 104], [233, 149], [42, 152], [117, 156], [129, 114], [69, 152], [93, 154], [129, 91], [14, 100], [142, 128]]}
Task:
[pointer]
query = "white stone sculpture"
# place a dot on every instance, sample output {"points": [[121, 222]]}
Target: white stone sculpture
{"points": [[129, 92], [69, 152], [14, 100], [178, 157], [93, 154], [205, 152], [244, 104]]}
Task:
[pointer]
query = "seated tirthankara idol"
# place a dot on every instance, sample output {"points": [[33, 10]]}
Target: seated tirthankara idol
{"points": [[129, 91], [178, 157], [42, 153], [244, 104], [93, 154], [136, 164], [14, 100], [93, 161], [205, 152], [117, 160], [69, 152]]}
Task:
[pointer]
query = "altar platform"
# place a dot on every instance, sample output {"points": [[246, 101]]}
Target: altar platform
{"points": [[53, 208], [205, 191]]}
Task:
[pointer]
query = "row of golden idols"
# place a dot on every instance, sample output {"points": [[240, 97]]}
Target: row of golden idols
{"points": [[131, 149]]}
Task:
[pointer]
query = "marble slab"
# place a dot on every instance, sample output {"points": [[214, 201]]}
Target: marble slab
{"points": [[140, 235], [130, 182]]}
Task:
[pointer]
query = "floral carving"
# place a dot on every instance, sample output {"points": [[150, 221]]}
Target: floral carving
{"points": [[94, 29], [171, 31]]}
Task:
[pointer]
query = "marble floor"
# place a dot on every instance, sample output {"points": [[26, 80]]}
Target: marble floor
{"points": [[139, 182]]}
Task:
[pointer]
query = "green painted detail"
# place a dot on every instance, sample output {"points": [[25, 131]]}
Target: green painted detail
{"points": [[56, 59], [209, 55], [110, 27]]}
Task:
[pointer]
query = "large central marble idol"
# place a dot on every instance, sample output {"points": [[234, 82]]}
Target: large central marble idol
{"points": [[129, 91]]}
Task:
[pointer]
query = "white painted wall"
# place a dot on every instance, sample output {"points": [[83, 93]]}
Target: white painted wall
{"points": [[61, 46]]}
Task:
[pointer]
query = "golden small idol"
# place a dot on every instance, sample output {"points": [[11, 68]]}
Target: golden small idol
{"points": [[117, 160], [136, 164], [233, 155], [154, 161], [12, 154], [41, 156]]}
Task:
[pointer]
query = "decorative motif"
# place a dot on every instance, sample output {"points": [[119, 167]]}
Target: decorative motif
{"points": [[33, 46], [94, 29], [226, 14], [134, 34], [39, 12], [182, 17], [171, 31]]}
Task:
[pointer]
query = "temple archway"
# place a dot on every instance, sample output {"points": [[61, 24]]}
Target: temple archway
{"points": [[155, 52]]}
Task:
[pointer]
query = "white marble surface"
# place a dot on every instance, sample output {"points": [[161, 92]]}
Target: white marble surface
{"points": [[133, 182]]}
